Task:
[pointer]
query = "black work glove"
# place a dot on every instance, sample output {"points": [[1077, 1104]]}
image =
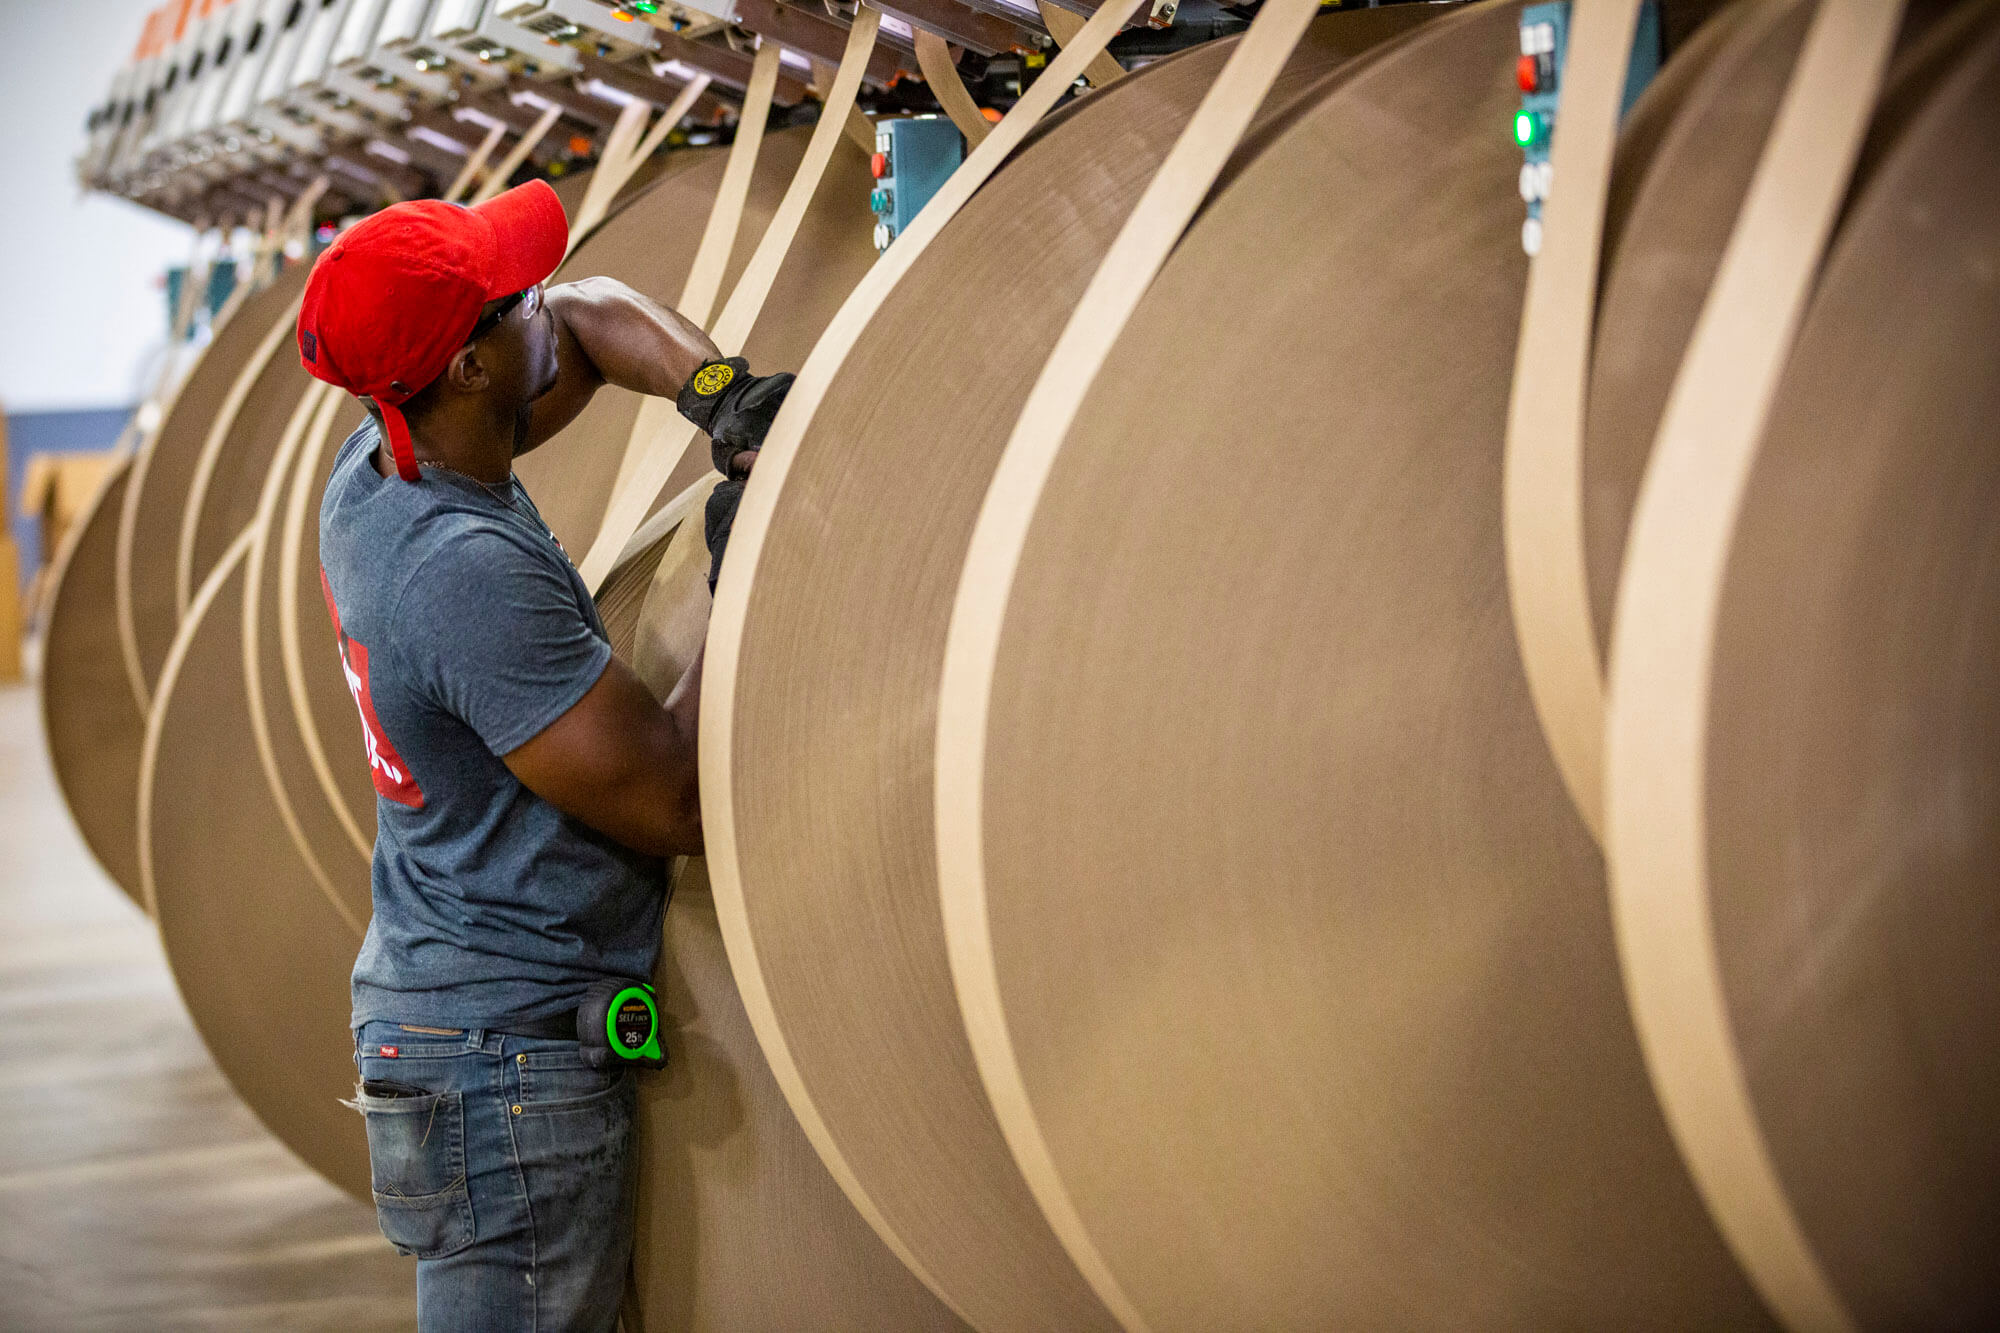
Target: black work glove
{"points": [[735, 407], [717, 520]]}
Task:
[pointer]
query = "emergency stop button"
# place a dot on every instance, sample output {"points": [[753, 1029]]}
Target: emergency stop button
{"points": [[878, 165]]}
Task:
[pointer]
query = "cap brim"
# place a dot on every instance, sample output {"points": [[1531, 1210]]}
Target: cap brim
{"points": [[530, 237]]}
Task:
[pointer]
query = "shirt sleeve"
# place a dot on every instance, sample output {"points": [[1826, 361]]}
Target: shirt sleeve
{"points": [[491, 632]]}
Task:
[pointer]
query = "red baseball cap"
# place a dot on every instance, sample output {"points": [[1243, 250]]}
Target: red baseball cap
{"points": [[391, 302]]}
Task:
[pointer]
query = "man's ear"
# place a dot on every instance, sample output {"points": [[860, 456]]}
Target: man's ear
{"points": [[465, 373]]}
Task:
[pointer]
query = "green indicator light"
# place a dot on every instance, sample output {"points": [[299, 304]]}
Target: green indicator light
{"points": [[1524, 128], [646, 6]]}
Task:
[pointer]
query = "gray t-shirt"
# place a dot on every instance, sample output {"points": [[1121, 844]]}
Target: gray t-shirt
{"points": [[465, 631]]}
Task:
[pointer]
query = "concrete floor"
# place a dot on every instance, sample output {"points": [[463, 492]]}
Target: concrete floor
{"points": [[136, 1191]]}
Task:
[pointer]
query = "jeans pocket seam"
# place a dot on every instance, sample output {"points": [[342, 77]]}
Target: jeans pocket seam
{"points": [[568, 1061], [391, 1199], [555, 1105]]}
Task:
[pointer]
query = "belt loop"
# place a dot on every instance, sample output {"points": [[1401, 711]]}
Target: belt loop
{"points": [[475, 1039]]}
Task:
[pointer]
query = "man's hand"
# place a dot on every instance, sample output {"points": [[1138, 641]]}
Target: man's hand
{"points": [[735, 407], [717, 519], [719, 516]]}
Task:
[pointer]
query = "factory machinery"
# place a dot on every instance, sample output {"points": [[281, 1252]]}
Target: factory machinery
{"points": [[1355, 690]]}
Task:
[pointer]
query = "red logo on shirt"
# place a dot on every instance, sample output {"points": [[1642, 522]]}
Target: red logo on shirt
{"points": [[391, 775]]}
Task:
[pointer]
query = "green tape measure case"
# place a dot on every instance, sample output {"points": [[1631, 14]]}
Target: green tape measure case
{"points": [[618, 1024]]}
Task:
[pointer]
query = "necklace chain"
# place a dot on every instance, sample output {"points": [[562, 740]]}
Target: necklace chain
{"points": [[504, 496], [490, 488]]}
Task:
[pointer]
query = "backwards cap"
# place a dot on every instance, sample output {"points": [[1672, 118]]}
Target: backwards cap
{"points": [[391, 302]]}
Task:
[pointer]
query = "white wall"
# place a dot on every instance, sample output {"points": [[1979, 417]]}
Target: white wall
{"points": [[81, 310]]}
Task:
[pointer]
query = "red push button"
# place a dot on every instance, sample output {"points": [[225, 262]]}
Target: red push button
{"points": [[878, 165], [1528, 73]]}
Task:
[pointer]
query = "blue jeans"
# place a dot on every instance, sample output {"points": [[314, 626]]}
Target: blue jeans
{"points": [[505, 1166]]}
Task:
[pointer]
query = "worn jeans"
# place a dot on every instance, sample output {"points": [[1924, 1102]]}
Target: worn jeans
{"points": [[506, 1168]]}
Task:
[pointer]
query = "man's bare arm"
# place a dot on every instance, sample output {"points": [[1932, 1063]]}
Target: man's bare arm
{"points": [[607, 333], [624, 763]]}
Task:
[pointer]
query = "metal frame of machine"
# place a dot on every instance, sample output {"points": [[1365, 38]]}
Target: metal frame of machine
{"points": [[226, 101]]}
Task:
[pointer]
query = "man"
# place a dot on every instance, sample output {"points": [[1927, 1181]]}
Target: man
{"points": [[529, 786]]}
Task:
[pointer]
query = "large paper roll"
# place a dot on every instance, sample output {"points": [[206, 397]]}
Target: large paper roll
{"points": [[208, 404], [113, 605], [1680, 213], [229, 475], [317, 701], [1685, 158], [1845, 757], [320, 836], [261, 956], [839, 651], [1303, 956], [94, 727], [740, 1226]]}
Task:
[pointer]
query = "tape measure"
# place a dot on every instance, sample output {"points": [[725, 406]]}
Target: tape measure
{"points": [[618, 1022]]}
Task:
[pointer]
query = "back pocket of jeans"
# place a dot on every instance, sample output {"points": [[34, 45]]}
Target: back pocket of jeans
{"points": [[416, 1156]]}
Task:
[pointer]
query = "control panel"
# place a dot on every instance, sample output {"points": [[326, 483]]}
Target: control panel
{"points": [[530, 54], [609, 34], [404, 43], [675, 17], [373, 51], [913, 159], [350, 78], [472, 33], [1538, 71], [225, 105]]}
